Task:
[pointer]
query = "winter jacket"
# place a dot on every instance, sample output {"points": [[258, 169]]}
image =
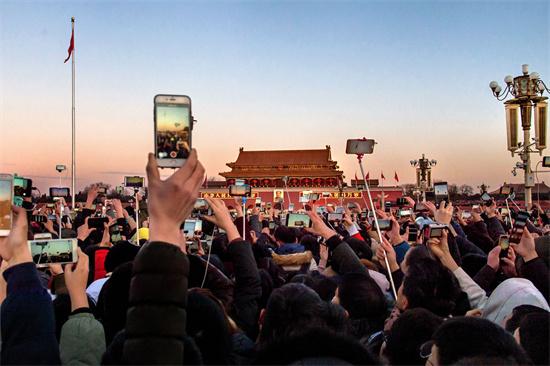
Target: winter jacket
{"points": [[343, 258], [82, 340], [537, 272], [478, 234], [27, 320], [156, 318], [248, 289], [494, 228]]}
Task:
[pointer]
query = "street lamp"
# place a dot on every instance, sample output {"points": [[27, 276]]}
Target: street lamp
{"points": [[423, 173], [527, 91]]}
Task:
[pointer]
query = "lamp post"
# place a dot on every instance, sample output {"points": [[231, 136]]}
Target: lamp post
{"points": [[423, 173], [527, 91]]}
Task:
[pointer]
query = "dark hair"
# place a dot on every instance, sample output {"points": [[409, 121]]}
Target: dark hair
{"points": [[310, 243], [519, 313], [413, 328], [360, 247], [533, 337], [430, 285], [291, 309], [466, 337], [361, 296], [285, 234]]}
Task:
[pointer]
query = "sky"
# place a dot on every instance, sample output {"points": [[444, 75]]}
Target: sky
{"points": [[413, 75]]}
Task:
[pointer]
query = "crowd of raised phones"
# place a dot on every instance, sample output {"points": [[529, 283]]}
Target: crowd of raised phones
{"points": [[438, 288]]}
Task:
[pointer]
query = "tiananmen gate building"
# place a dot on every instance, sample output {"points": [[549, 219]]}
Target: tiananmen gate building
{"points": [[288, 173]]}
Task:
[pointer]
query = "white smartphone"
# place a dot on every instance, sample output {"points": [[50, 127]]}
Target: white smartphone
{"points": [[6, 198], [173, 126], [59, 251]]}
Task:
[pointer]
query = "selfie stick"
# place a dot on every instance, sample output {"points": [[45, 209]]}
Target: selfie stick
{"points": [[508, 208], [359, 158], [136, 191], [60, 216], [244, 217]]}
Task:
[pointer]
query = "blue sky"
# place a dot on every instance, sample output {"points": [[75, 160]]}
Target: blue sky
{"points": [[412, 74]]}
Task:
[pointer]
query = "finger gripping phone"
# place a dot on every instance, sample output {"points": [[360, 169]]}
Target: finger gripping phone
{"points": [[173, 126], [58, 251], [519, 224]]}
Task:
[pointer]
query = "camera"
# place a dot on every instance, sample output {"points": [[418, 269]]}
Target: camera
{"points": [[434, 231]]}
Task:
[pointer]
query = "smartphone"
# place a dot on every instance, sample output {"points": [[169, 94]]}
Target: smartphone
{"points": [[387, 206], [190, 227], [487, 200], [546, 162], [6, 198], [239, 191], [298, 220], [201, 205], [401, 201], [272, 225], [60, 192], [441, 191], [314, 197], [22, 187], [97, 222], [303, 199], [258, 202], [291, 207], [405, 213], [321, 210], [173, 126], [335, 216], [38, 218], [413, 233], [505, 190], [364, 215], [102, 190], [384, 225], [339, 210], [519, 224], [504, 243], [59, 251], [133, 182], [360, 146]]}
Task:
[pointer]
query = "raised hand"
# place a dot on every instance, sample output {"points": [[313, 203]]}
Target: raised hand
{"points": [[14, 248], [171, 201], [443, 214], [318, 226], [526, 246], [222, 218], [493, 259], [386, 247], [84, 230], [92, 195], [76, 277]]}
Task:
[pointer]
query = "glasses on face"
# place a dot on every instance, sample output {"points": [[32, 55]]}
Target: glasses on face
{"points": [[426, 349]]}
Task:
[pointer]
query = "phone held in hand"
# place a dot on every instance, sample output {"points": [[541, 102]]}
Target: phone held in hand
{"points": [[173, 126], [441, 192], [384, 224], [97, 222], [504, 244], [133, 181], [6, 198], [240, 190], [56, 251], [298, 220], [22, 187], [58, 192], [519, 225]]}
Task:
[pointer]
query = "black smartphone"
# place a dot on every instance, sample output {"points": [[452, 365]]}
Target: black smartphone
{"points": [[504, 243], [97, 222], [519, 223], [413, 233], [173, 126], [441, 192], [401, 201], [39, 218]]}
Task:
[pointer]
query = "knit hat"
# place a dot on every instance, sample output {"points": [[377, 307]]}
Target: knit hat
{"points": [[121, 252]]}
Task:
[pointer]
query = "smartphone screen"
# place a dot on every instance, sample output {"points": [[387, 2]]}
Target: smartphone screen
{"points": [[45, 252], [333, 216], [239, 191], [189, 228], [6, 192], [59, 192], [298, 220], [384, 225], [441, 192], [360, 146], [133, 182], [173, 125]]}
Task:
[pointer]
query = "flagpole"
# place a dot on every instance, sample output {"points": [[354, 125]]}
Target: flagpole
{"points": [[73, 163]]}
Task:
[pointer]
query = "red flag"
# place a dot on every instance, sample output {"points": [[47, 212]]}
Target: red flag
{"points": [[382, 175], [356, 180], [396, 177], [367, 177], [205, 183], [71, 47]]}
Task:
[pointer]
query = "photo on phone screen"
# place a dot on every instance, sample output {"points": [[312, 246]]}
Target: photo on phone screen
{"points": [[6, 193], [133, 182], [45, 252], [60, 192], [173, 125], [298, 220], [441, 192]]}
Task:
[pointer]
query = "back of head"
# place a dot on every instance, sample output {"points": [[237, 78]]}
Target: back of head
{"points": [[466, 337], [121, 252], [361, 296], [534, 337], [510, 294], [413, 328], [518, 314], [430, 285], [285, 234], [291, 309]]}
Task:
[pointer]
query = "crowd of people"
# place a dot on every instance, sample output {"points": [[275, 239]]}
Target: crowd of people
{"points": [[258, 292]]}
